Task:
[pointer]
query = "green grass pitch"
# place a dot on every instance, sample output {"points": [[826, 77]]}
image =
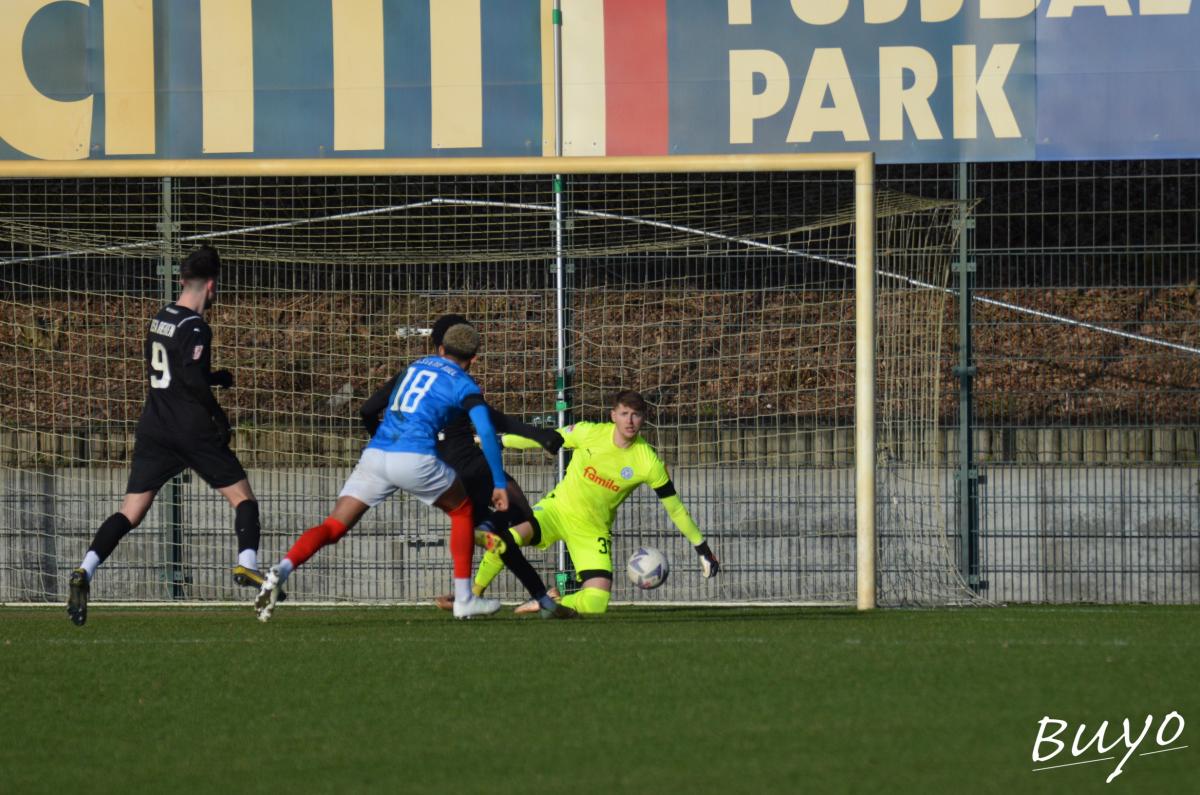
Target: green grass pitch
{"points": [[647, 700]]}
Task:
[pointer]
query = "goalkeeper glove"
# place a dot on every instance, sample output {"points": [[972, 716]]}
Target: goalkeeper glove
{"points": [[221, 378], [552, 442], [709, 565]]}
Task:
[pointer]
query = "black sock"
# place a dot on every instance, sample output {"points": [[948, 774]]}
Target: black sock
{"points": [[109, 535], [246, 526], [501, 521], [515, 561]]}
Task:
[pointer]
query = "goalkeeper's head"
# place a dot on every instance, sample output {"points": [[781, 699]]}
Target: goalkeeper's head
{"points": [[628, 414], [631, 400], [461, 343]]}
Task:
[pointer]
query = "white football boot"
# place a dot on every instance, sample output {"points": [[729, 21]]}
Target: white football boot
{"points": [[268, 595], [475, 606]]}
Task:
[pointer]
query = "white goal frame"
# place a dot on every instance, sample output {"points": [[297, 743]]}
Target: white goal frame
{"points": [[861, 164]]}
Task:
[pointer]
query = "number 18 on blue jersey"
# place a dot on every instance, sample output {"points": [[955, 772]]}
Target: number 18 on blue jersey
{"points": [[434, 392]]}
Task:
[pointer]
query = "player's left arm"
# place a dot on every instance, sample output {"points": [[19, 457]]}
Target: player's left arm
{"points": [[374, 406], [221, 378], [571, 436], [661, 482], [195, 375], [507, 426]]}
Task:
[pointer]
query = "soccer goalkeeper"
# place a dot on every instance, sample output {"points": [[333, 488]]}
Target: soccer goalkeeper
{"points": [[610, 460]]}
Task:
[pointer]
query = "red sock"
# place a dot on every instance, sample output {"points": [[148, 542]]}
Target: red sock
{"points": [[327, 532], [462, 539]]}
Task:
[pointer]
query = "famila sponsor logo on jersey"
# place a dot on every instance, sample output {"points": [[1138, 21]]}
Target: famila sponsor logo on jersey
{"points": [[591, 474]]}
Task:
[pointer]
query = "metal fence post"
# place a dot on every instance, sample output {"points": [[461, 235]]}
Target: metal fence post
{"points": [[967, 477], [174, 488]]}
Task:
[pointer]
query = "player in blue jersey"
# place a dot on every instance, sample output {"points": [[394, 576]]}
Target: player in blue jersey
{"points": [[456, 446], [402, 454]]}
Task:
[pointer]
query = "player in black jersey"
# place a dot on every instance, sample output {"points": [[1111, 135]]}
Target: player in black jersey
{"points": [[182, 427], [457, 448]]}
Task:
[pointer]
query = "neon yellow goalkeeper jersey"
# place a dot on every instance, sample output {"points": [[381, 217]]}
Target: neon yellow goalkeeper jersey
{"points": [[601, 476]]}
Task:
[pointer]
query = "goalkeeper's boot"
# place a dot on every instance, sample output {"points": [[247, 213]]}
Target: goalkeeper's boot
{"points": [[268, 595], [77, 598], [558, 611], [490, 541], [252, 578], [475, 606], [532, 605]]}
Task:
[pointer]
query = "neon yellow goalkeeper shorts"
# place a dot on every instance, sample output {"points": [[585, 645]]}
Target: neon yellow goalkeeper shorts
{"points": [[590, 547]]}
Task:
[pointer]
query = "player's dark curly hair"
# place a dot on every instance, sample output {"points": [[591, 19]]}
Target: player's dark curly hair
{"points": [[630, 399], [203, 263], [442, 325]]}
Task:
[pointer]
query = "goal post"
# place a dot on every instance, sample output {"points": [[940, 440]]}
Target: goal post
{"points": [[335, 266], [864, 378]]}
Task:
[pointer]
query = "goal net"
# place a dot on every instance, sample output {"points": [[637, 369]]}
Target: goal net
{"points": [[727, 299]]}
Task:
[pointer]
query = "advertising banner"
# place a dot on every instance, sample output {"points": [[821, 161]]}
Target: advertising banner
{"points": [[911, 80]]}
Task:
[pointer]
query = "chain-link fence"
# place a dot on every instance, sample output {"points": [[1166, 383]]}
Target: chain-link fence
{"points": [[1085, 336]]}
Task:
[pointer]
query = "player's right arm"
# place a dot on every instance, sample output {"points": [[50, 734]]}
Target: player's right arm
{"points": [[470, 399], [478, 412]]}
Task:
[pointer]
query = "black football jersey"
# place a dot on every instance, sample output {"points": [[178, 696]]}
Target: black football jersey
{"points": [[178, 354], [457, 443]]}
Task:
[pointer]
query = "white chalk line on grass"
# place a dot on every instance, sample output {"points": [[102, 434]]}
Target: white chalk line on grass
{"points": [[367, 636], [371, 635], [1003, 644], [426, 603]]}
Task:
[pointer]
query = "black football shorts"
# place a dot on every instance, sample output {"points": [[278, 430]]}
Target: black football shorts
{"points": [[476, 476], [155, 462]]}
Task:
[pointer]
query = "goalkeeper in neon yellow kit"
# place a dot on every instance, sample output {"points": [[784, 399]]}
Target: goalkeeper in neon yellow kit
{"points": [[609, 462]]}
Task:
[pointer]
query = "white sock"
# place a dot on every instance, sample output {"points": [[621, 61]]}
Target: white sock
{"points": [[462, 589], [91, 562], [285, 569], [248, 558]]}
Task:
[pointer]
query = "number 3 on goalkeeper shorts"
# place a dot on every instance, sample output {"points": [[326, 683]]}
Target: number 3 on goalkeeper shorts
{"points": [[413, 388]]}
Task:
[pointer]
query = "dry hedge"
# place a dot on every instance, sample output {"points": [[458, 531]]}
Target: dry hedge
{"points": [[309, 358]]}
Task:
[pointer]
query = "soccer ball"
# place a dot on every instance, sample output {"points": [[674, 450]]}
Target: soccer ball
{"points": [[647, 568]]}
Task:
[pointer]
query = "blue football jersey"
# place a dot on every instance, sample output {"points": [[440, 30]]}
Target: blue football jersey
{"points": [[431, 394]]}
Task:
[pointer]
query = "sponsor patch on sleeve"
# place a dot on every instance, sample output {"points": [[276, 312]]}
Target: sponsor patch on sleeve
{"points": [[197, 352]]}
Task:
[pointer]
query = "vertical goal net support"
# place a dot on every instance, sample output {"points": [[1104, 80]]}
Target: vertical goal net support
{"points": [[782, 316]]}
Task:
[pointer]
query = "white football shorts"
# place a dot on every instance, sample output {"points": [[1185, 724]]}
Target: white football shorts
{"points": [[379, 474]]}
